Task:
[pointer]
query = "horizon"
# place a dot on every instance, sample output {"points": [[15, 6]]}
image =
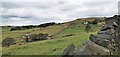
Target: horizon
{"points": [[35, 13], [58, 22]]}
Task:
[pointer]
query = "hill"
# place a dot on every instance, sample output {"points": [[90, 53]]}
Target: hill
{"points": [[62, 35]]}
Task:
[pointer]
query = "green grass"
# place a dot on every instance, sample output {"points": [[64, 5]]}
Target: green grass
{"points": [[46, 47], [43, 47], [18, 33]]}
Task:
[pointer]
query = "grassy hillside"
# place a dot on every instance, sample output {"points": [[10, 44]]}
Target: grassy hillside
{"points": [[54, 46], [18, 33], [46, 47]]}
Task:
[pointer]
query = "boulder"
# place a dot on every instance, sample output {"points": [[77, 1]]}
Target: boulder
{"points": [[106, 42], [69, 50], [112, 31], [93, 38], [115, 24], [106, 27], [101, 39], [90, 48], [104, 36], [109, 32]]}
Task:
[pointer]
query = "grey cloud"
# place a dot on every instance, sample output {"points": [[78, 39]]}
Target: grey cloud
{"points": [[60, 11], [9, 5]]}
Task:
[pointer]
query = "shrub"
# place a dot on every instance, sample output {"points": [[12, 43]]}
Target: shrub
{"points": [[8, 41], [88, 28], [15, 28]]}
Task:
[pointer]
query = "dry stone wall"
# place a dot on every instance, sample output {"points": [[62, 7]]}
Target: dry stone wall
{"points": [[106, 42]]}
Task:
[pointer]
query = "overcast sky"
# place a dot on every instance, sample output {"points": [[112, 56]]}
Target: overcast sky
{"points": [[32, 12]]}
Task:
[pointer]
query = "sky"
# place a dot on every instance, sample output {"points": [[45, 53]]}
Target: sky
{"points": [[34, 12]]}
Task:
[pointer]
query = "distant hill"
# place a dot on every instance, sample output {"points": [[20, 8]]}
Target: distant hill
{"points": [[79, 21]]}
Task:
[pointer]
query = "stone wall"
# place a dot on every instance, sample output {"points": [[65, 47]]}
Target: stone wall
{"points": [[106, 42]]}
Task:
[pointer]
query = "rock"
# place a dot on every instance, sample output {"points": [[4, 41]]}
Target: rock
{"points": [[35, 37], [112, 31], [42, 36], [103, 40], [104, 43], [109, 32], [106, 28], [104, 36], [93, 37], [115, 24], [26, 37], [69, 50], [90, 48]]}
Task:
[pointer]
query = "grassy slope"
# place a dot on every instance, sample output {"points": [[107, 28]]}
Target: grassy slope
{"points": [[46, 47], [18, 33]]}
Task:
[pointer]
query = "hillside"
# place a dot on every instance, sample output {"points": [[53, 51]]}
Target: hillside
{"points": [[54, 46]]}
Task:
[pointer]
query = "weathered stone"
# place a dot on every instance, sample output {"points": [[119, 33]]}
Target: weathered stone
{"points": [[90, 48], [112, 31], [103, 42], [106, 27], [109, 21], [115, 24], [93, 38], [106, 32], [106, 42], [26, 37], [69, 50], [103, 36], [35, 37]]}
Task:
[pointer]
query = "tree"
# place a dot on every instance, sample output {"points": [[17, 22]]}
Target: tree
{"points": [[88, 28], [15, 28], [8, 41]]}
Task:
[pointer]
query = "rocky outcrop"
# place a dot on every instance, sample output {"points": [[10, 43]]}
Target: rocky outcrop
{"points": [[104, 37], [69, 50], [35, 37], [106, 42], [90, 48]]}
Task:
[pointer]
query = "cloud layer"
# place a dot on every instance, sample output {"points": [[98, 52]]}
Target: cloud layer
{"points": [[28, 13]]}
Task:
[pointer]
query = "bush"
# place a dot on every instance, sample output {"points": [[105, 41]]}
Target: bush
{"points": [[46, 24], [88, 28], [8, 41], [15, 28]]}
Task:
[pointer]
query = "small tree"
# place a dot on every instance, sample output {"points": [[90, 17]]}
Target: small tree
{"points": [[8, 41], [12, 29], [88, 28]]}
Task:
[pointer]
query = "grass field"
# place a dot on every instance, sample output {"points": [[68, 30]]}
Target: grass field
{"points": [[18, 33], [54, 46]]}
